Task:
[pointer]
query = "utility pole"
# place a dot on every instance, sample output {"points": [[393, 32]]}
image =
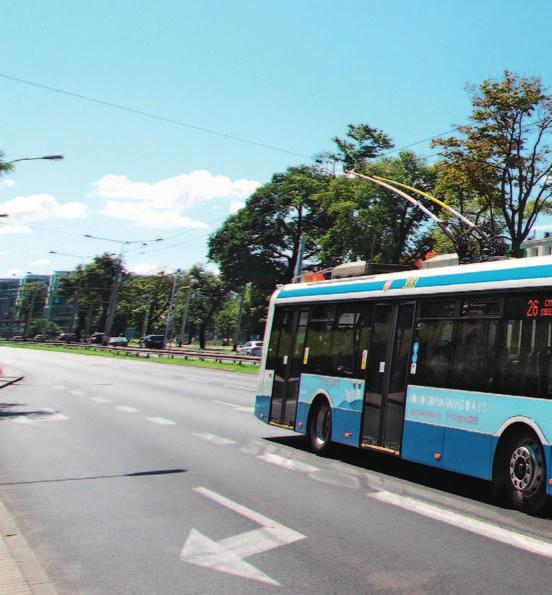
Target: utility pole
{"points": [[113, 298], [298, 273], [147, 314], [185, 313], [170, 313], [29, 316], [238, 325]]}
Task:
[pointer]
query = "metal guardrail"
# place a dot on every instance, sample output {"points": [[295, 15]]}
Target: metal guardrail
{"points": [[217, 356]]}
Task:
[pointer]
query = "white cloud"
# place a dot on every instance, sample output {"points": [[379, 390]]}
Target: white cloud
{"points": [[145, 268], [40, 262], [7, 183], [236, 205], [42, 206], [147, 215], [162, 204], [12, 229]]}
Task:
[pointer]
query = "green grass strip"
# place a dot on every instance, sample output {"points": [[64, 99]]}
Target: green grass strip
{"points": [[166, 359]]}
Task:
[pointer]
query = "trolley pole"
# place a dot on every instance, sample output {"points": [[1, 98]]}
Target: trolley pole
{"points": [[185, 313]]}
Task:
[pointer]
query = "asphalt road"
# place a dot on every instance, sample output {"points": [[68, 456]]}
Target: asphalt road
{"points": [[138, 478]]}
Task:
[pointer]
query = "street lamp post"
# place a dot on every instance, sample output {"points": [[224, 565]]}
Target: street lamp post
{"points": [[47, 157]]}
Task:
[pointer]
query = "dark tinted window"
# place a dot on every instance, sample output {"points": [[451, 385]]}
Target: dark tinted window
{"points": [[438, 309], [480, 306], [346, 342], [319, 339], [434, 338]]}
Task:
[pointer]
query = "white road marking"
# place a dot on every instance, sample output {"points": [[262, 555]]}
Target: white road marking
{"points": [[238, 387], [213, 438], [60, 386], [23, 420], [100, 400], [287, 463], [127, 409], [234, 406], [33, 420], [77, 392], [227, 554], [162, 421], [483, 528]]}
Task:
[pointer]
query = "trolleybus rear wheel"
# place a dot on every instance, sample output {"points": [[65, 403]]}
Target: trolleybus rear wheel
{"points": [[320, 428], [524, 472]]}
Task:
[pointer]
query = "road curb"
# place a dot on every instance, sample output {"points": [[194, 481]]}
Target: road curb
{"points": [[20, 571]]}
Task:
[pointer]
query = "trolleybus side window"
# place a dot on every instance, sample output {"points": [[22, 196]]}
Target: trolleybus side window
{"points": [[348, 340], [319, 338]]}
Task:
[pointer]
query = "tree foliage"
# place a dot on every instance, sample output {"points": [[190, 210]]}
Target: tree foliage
{"points": [[499, 163], [261, 242]]}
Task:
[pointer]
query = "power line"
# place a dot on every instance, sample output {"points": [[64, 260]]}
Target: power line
{"points": [[151, 115]]}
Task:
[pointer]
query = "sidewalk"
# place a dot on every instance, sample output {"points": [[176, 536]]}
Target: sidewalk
{"points": [[20, 572]]}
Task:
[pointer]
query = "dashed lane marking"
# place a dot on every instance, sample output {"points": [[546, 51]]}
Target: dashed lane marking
{"points": [[100, 400], [483, 528], [288, 463], [60, 386], [127, 409], [77, 392], [234, 406], [213, 438], [162, 421]]}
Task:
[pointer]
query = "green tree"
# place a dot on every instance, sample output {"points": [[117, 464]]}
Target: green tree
{"points": [[90, 286], [210, 293], [31, 303], [5, 167], [372, 223], [261, 242], [499, 163], [362, 143], [143, 303]]}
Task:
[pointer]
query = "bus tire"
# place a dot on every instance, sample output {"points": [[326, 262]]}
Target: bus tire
{"points": [[320, 428], [523, 472]]}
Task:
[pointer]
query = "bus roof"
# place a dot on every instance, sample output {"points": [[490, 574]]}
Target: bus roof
{"points": [[486, 276]]}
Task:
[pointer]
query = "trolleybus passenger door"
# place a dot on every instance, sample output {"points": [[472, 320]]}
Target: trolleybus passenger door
{"points": [[288, 364], [385, 392]]}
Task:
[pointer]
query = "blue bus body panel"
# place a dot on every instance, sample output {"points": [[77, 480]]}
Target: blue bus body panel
{"points": [[345, 397], [462, 277], [262, 407], [464, 427]]}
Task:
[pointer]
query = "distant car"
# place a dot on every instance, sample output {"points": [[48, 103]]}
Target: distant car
{"points": [[17, 338], [67, 337], [117, 342], [246, 348], [152, 341], [256, 351], [96, 338], [39, 338]]}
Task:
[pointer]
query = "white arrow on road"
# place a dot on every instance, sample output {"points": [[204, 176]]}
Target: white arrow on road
{"points": [[227, 554]]}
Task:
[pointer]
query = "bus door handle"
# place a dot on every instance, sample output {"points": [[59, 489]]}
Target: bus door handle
{"points": [[382, 367], [285, 360]]}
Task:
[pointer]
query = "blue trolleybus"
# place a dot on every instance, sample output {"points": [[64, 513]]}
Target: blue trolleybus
{"points": [[450, 367]]}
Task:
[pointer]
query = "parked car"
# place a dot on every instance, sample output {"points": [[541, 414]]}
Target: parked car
{"points": [[96, 338], [246, 348], [117, 342], [17, 338], [256, 351], [152, 341], [67, 337], [39, 338]]}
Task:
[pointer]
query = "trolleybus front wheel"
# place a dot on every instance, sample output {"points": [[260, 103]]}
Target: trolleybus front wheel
{"points": [[320, 428], [523, 470]]}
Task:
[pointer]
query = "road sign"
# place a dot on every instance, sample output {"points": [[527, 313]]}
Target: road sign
{"points": [[227, 555]]}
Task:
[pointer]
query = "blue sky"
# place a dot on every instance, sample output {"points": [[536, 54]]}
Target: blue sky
{"points": [[289, 74]]}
